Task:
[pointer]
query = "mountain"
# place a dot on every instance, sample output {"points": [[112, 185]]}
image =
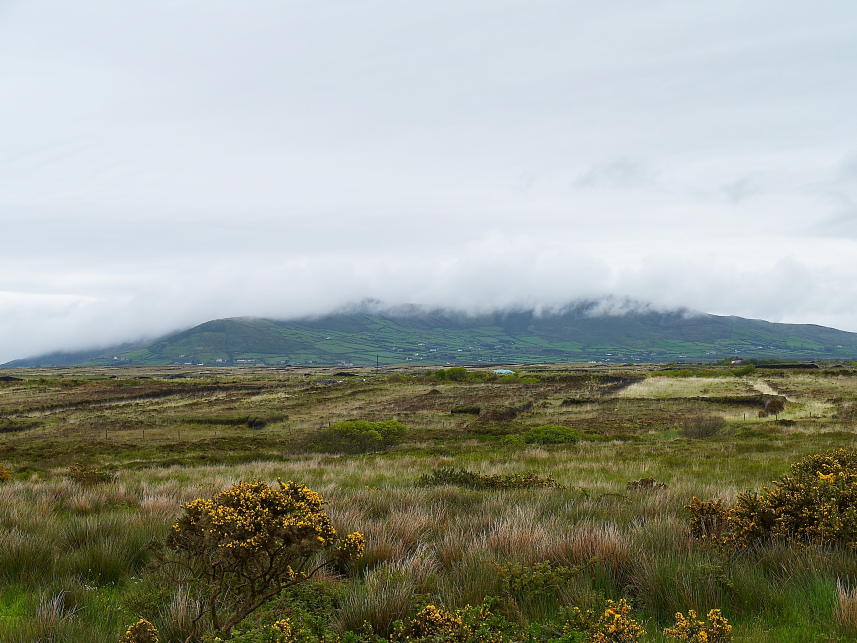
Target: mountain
{"points": [[432, 337]]}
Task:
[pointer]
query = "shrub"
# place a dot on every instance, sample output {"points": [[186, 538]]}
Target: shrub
{"points": [[524, 584], [456, 374], [247, 544], [471, 624], [279, 632], [472, 480], [817, 503], [86, 475], [645, 484], [359, 436], [708, 520], [690, 630], [552, 434], [774, 406], [140, 632], [701, 426], [615, 625], [5, 474]]}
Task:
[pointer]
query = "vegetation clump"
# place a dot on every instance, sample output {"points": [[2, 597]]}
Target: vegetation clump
{"points": [[645, 484], [688, 629], [359, 436], [471, 624], [249, 543], [466, 409], [552, 434], [140, 632], [472, 480], [5, 474], [87, 475], [701, 426], [816, 504], [614, 625]]}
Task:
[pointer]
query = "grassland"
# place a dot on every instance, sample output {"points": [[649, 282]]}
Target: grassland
{"points": [[73, 558]]}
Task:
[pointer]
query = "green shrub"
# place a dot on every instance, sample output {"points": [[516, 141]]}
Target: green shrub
{"points": [[359, 436], [472, 480], [86, 474], [552, 434]]}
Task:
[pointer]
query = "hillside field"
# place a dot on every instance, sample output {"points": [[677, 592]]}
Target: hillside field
{"points": [[445, 507]]}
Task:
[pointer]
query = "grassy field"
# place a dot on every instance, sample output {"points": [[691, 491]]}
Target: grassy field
{"points": [[73, 556]]}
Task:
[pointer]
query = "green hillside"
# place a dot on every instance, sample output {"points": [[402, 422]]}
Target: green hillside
{"points": [[438, 337]]}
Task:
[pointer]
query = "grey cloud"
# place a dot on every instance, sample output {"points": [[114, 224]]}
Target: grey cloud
{"points": [[620, 173], [741, 189]]}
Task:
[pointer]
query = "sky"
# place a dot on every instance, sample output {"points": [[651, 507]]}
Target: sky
{"points": [[165, 163]]}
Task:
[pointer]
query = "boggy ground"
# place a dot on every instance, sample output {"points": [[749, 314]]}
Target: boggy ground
{"points": [[73, 558]]}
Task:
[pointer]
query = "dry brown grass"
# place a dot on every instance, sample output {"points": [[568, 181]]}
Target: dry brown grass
{"points": [[845, 612]]}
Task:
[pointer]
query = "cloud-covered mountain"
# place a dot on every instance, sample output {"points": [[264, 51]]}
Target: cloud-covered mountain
{"points": [[580, 333]]}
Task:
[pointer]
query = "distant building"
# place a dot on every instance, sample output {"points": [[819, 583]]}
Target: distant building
{"points": [[503, 371]]}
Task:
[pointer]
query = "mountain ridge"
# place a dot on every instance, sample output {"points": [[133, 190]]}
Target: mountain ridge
{"points": [[436, 337]]}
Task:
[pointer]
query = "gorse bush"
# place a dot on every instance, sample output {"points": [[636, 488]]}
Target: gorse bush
{"points": [[551, 434], [614, 625], [472, 480], [5, 474], [87, 475], [359, 436], [249, 543], [816, 504], [471, 624], [140, 632], [690, 630]]}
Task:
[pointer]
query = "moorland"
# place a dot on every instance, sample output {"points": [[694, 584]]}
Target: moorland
{"points": [[534, 498]]}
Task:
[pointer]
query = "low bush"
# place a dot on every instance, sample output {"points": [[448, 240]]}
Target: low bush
{"points": [[615, 625], [140, 632], [5, 474], [645, 484], [471, 624], [87, 475], [359, 436], [247, 544], [472, 480], [816, 504], [552, 434], [690, 630], [701, 426]]}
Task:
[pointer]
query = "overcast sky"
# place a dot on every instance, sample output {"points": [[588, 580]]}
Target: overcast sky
{"points": [[165, 163]]}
